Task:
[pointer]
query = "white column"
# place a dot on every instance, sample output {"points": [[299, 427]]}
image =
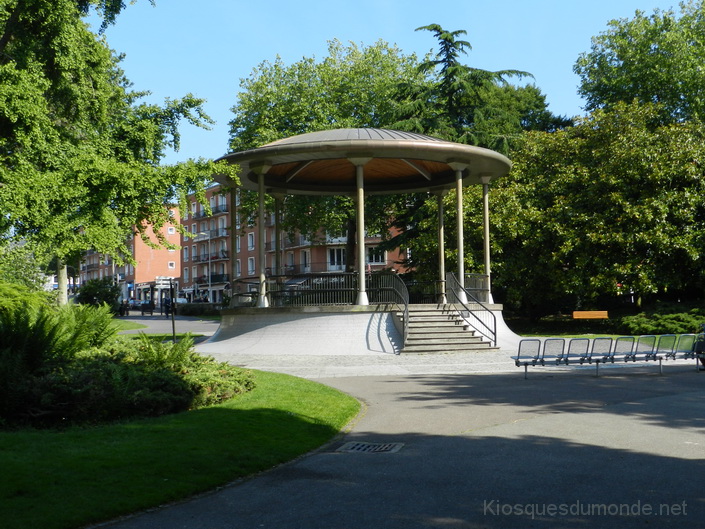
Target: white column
{"points": [[459, 168], [441, 248], [359, 164], [486, 231], [262, 299]]}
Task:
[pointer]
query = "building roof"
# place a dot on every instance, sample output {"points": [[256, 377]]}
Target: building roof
{"points": [[394, 162]]}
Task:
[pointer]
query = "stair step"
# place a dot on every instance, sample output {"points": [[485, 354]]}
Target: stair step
{"points": [[484, 346], [438, 329], [440, 332]]}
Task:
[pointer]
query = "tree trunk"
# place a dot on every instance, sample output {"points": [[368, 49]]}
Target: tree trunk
{"points": [[63, 280]]}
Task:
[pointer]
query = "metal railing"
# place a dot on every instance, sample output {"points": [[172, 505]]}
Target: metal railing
{"points": [[425, 292], [386, 287], [480, 317], [312, 289]]}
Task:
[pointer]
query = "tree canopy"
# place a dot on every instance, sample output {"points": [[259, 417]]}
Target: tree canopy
{"points": [[653, 59], [610, 206], [79, 154], [379, 86]]}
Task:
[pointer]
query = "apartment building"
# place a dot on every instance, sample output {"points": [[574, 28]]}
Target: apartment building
{"points": [[149, 278], [213, 262]]}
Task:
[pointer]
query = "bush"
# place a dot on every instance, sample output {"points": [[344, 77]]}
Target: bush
{"points": [[100, 389], [67, 366], [99, 292], [660, 323], [209, 381], [198, 309]]}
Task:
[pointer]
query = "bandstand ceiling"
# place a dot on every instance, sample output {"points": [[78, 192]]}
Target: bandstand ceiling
{"points": [[323, 163]]}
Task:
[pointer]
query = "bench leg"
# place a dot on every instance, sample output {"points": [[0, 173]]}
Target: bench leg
{"points": [[597, 368], [660, 366], [526, 367]]}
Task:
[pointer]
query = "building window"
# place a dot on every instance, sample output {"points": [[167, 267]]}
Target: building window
{"points": [[193, 228], [194, 272], [186, 275], [336, 258], [238, 268], [185, 253], [237, 244], [375, 256], [251, 266], [172, 265], [171, 230], [251, 241]]}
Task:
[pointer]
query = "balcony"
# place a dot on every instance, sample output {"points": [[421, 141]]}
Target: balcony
{"points": [[215, 256], [214, 279], [217, 210], [299, 240], [211, 234]]}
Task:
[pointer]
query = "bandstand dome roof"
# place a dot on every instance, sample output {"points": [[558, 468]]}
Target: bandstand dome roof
{"points": [[394, 162]]}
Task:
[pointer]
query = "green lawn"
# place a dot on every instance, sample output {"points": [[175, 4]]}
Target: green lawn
{"points": [[124, 325], [67, 479]]}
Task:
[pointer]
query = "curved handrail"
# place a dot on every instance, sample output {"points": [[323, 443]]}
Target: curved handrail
{"points": [[487, 328], [382, 283]]}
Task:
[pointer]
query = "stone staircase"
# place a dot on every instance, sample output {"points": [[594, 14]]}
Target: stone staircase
{"points": [[441, 329]]}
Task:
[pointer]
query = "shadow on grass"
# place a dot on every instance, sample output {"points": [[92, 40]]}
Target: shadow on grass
{"points": [[80, 476]]}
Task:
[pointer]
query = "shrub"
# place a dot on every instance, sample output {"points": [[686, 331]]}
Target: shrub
{"points": [[210, 381], [67, 366], [660, 323], [98, 292], [100, 389]]}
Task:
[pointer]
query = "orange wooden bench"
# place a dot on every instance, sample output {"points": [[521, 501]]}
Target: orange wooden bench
{"points": [[590, 315]]}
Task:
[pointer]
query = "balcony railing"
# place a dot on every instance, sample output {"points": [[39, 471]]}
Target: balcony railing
{"points": [[211, 234], [214, 279], [215, 256]]}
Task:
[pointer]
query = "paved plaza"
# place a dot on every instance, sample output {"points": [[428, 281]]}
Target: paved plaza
{"points": [[447, 441]]}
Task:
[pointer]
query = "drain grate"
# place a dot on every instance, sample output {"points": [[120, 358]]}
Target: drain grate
{"points": [[372, 448]]}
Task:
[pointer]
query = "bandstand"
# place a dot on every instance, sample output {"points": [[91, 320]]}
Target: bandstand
{"points": [[374, 312]]}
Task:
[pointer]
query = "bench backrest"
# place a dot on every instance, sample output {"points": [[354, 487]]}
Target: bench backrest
{"points": [[601, 348], [686, 343], [577, 350], [666, 344], [645, 344], [623, 345], [529, 350], [553, 348]]}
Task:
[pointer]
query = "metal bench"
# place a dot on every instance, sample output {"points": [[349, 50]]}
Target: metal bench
{"points": [[603, 350]]}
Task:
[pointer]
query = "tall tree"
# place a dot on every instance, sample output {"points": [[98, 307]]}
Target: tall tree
{"points": [[79, 154], [467, 104], [653, 59]]}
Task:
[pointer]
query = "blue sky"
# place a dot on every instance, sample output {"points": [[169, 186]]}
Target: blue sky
{"points": [[206, 46]]}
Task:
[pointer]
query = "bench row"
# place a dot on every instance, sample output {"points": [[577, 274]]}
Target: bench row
{"points": [[581, 351]]}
